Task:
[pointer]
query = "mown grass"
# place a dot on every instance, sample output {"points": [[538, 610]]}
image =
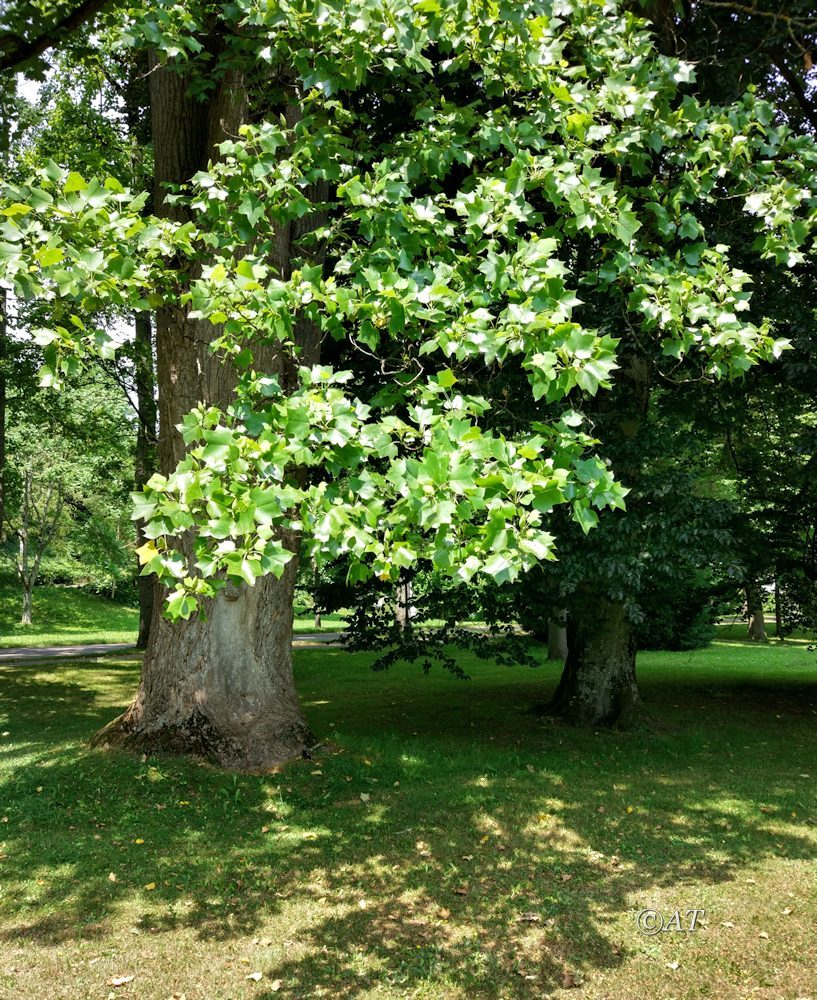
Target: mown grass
{"points": [[63, 616], [442, 843]]}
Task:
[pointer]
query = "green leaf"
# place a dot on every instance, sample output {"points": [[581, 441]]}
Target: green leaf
{"points": [[75, 182]]}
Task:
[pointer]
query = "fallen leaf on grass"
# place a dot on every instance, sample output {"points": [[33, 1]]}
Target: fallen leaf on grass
{"points": [[120, 980], [565, 877], [256, 976], [112, 877], [763, 935], [461, 890], [528, 918], [787, 911], [364, 796], [571, 980], [766, 809], [276, 985], [150, 886], [727, 923], [673, 965]]}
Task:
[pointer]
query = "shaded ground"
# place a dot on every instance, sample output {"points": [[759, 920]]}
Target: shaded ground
{"points": [[442, 844]]}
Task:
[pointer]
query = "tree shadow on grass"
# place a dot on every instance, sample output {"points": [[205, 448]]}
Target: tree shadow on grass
{"points": [[442, 835]]}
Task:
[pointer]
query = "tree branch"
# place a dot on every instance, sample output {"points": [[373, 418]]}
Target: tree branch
{"points": [[15, 50], [808, 108]]}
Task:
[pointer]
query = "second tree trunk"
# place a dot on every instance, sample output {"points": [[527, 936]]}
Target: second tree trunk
{"points": [[598, 685]]}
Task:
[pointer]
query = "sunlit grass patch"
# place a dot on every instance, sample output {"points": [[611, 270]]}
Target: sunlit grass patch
{"points": [[443, 842]]}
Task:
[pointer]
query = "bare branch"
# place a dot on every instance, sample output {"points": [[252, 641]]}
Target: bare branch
{"points": [[16, 50]]}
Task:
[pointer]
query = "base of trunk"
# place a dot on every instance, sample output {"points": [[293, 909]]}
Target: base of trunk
{"points": [[198, 736], [598, 685], [220, 686], [755, 613]]}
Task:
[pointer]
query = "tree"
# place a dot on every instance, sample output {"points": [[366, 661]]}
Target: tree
{"points": [[67, 498], [41, 504], [598, 684], [471, 176]]}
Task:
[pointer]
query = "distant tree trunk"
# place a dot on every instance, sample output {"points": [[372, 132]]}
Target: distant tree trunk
{"points": [[598, 685], [222, 686], [145, 460], [23, 563], [28, 586], [23, 570], [754, 611], [557, 638], [31, 546], [318, 620], [778, 612], [3, 359], [403, 609]]}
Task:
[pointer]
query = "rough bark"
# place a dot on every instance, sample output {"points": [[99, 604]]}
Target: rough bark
{"points": [[145, 459], [598, 685], [557, 639], [220, 687], [754, 612], [25, 617]]}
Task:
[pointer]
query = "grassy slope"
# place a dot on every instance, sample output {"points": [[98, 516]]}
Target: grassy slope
{"points": [[63, 616], [399, 861]]}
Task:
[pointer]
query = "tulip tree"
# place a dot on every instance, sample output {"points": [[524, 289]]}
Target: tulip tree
{"points": [[465, 181]]}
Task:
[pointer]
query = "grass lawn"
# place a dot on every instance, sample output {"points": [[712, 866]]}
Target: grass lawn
{"points": [[63, 616], [331, 622], [443, 843]]}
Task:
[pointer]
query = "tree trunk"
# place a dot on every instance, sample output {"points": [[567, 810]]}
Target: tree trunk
{"points": [[557, 639], [220, 687], [754, 611], [780, 632], [598, 685], [403, 608], [145, 459], [3, 361], [318, 620], [26, 578], [25, 618]]}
